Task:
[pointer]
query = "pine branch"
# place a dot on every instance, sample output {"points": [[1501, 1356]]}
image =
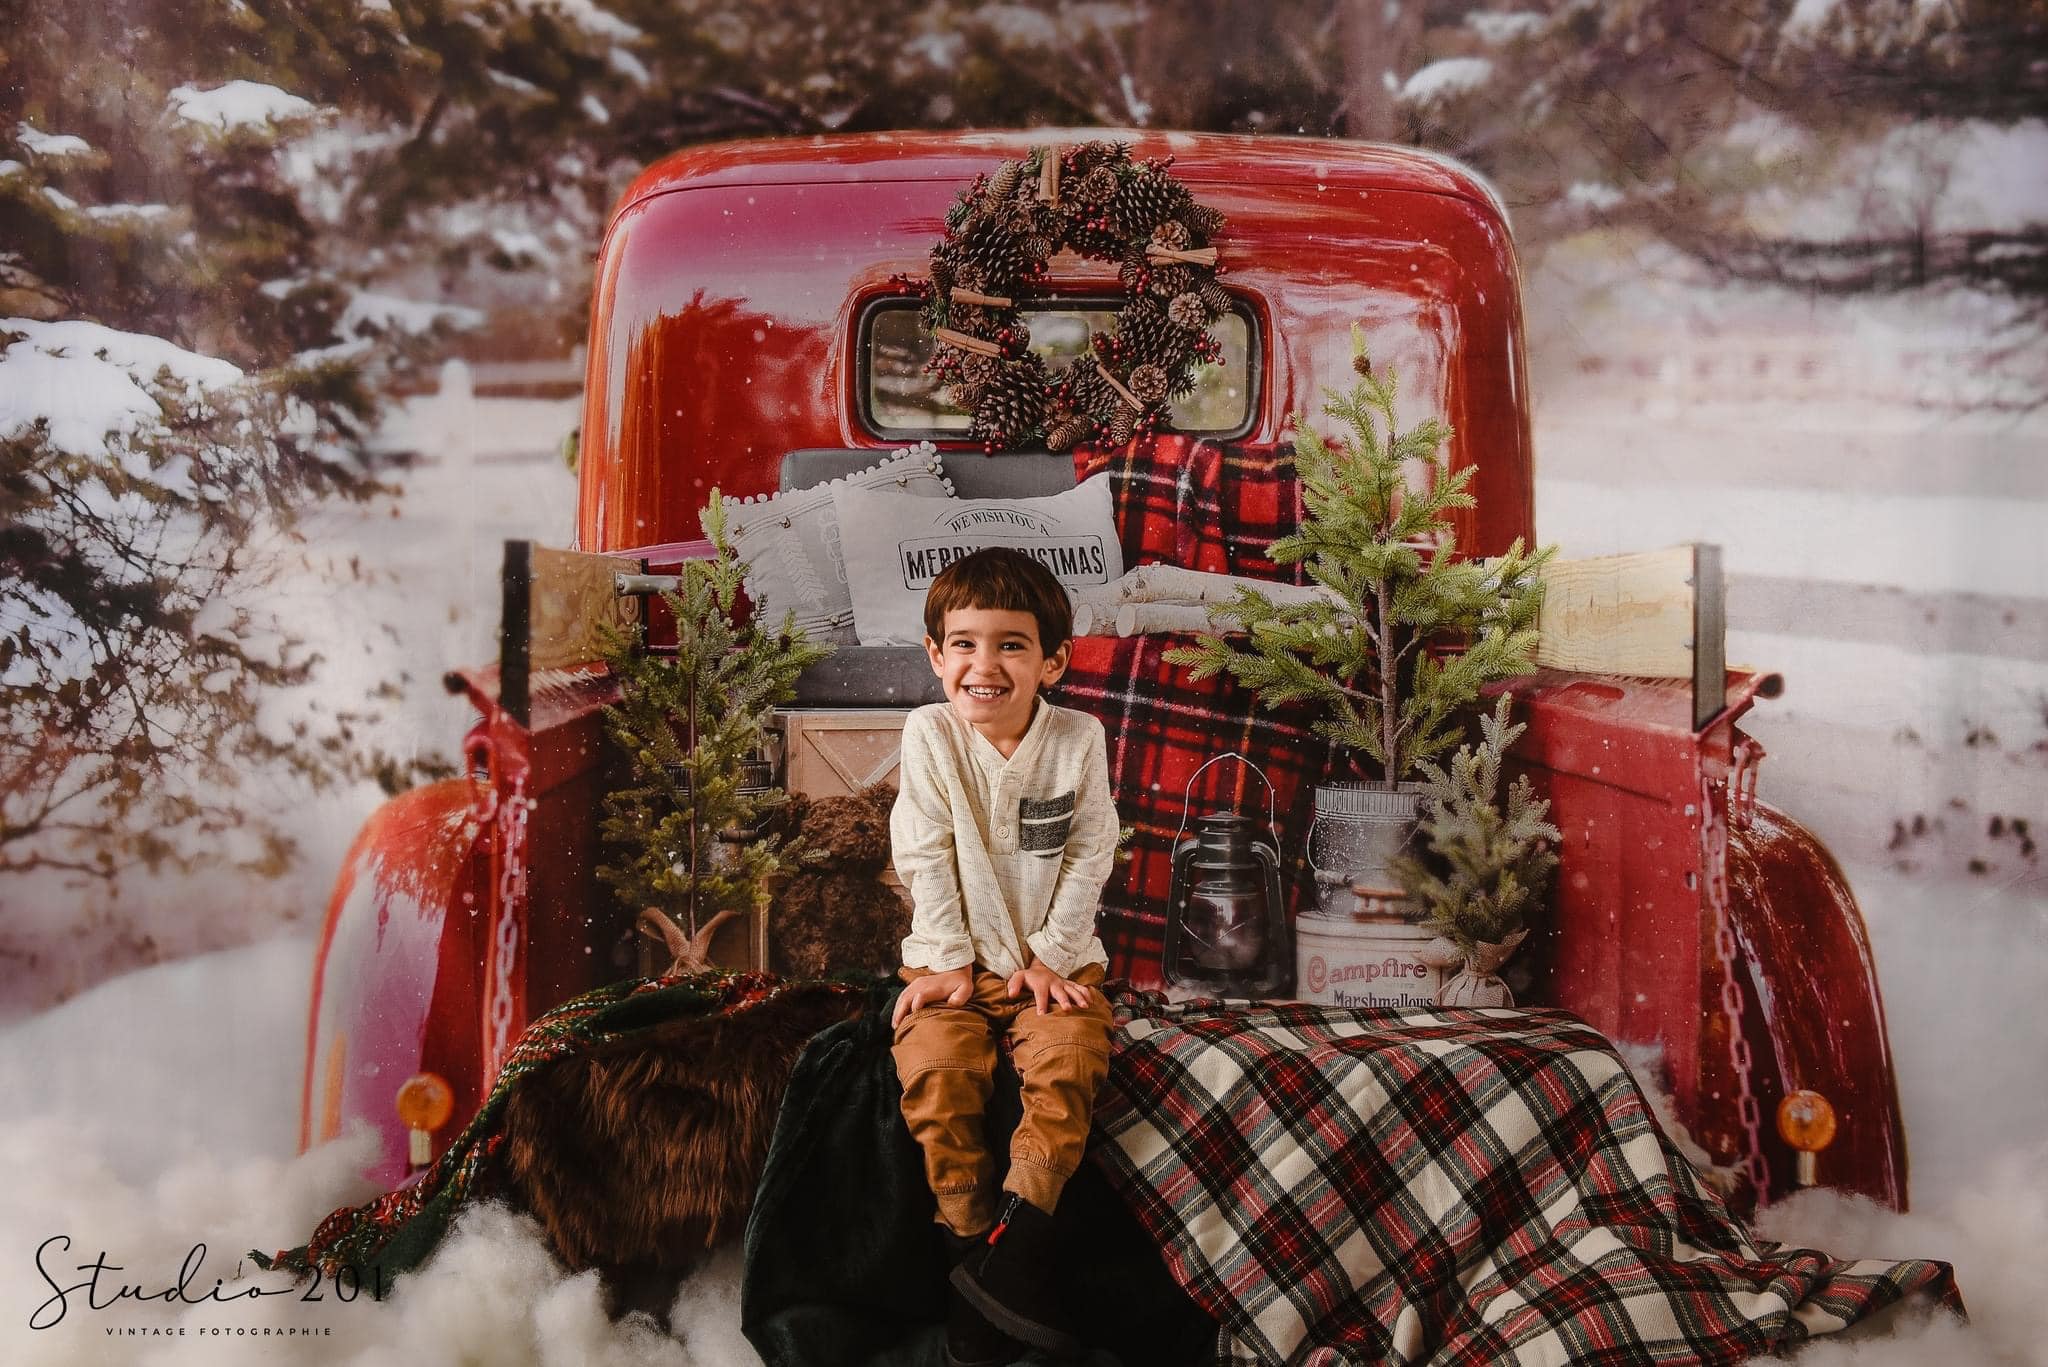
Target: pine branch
{"points": [[1386, 550]]}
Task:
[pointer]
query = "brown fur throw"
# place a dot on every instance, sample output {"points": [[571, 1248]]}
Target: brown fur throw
{"points": [[835, 914], [638, 1155]]}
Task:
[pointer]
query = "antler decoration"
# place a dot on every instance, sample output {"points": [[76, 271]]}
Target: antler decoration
{"points": [[689, 953]]}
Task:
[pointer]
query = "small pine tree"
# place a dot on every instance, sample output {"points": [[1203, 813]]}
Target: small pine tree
{"points": [[686, 726], [1487, 866], [1386, 551]]}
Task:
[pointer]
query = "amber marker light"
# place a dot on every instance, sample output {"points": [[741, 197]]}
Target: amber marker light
{"points": [[1807, 1122], [425, 1102]]}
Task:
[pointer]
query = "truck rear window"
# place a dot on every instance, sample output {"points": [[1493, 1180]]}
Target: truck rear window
{"points": [[900, 399]]}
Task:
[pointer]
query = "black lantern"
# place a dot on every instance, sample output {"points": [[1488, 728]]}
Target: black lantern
{"points": [[1226, 923]]}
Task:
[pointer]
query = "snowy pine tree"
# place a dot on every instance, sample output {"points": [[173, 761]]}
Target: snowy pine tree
{"points": [[183, 369]]}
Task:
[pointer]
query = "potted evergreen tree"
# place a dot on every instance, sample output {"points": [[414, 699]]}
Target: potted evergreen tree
{"points": [[686, 831], [1484, 865], [1399, 645]]}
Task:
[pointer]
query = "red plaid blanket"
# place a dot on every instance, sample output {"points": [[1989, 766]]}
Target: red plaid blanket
{"points": [[1444, 1186], [1192, 503]]}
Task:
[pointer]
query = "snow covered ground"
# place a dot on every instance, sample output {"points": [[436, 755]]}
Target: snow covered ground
{"points": [[158, 1108], [157, 1112]]}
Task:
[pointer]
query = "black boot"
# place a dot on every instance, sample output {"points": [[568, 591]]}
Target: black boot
{"points": [[1011, 1280], [971, 1341]]}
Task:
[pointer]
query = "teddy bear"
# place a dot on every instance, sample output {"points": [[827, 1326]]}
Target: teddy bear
{"points": [[835, 914]]}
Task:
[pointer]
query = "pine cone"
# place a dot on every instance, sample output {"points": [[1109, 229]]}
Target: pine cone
{"points": [[1215, 298], [1148, 384], [1005, 181], [1150, 334], [1131, 271], [1097, 243], [1147, 198], [967, 276], [1172, 233], [1012, 403], [1038, 247], [1098, 187], [1203, 221], [1086, 392], [1188, 311], [992, 249], [1168, 280], [1065, 434], [972, 381], [1123, 425], [942, 274]]}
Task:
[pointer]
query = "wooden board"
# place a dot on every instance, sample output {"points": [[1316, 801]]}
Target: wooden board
{"points": [[1652, 614], [553, 603], [1620, 614]]}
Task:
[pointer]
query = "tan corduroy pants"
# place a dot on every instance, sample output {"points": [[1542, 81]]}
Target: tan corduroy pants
{"points": [[946, 1060]]}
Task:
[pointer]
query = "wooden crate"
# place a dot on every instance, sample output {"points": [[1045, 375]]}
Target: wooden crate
{"points": [[829, 753]]}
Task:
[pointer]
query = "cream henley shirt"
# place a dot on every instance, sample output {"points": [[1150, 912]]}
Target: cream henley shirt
{"points": [[1003, 858]]}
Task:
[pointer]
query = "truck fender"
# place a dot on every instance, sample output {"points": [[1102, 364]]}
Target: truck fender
{"points": [[395, 974], [1802, 939]]}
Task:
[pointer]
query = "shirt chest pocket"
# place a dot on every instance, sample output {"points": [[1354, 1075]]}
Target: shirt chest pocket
{"points": [[1043, 824]]}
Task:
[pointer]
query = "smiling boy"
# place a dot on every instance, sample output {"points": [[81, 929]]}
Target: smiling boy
{"points": [[1004, 833]]}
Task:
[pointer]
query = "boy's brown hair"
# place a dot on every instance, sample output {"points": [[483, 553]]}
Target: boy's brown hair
{"points": [[1001, 579]]}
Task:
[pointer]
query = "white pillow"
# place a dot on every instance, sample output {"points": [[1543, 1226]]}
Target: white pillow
{"points": [[896, 546], [790, 541]]}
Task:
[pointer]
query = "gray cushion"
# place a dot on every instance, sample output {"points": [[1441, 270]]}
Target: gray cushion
{"points": [[901, 676], [1017, 474]]}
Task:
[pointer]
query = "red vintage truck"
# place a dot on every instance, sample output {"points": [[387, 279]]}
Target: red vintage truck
{"points": [[754, 316]]}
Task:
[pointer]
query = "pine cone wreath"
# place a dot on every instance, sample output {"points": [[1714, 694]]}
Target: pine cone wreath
{"points": [[999, 238]]}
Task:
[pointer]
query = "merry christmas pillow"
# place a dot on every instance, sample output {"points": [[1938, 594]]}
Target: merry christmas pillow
{"points": [[896, 546], [790, 541]]}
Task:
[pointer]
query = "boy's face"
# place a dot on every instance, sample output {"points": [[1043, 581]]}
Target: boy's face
{"points": [[992, 667]]}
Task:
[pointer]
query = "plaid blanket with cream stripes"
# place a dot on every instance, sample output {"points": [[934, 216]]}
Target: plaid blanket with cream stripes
{"points": [[1443, 1186]]}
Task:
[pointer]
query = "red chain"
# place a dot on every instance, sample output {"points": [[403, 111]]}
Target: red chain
{"points": [[1714, 850]]}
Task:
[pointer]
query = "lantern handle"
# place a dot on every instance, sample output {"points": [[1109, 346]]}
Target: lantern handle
{"points": [[1187, 796]]}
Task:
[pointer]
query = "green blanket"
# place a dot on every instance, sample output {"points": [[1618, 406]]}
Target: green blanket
{"points": [[843, 1262]]}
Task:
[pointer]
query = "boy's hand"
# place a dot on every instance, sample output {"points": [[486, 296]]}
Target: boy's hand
{"points": [[954, 987], [1044, 984]]}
